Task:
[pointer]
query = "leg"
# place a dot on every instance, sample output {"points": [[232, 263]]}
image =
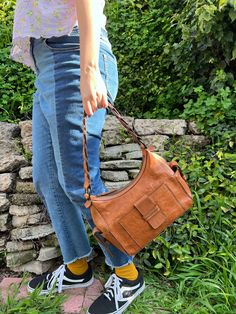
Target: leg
{"points": [[61, 211], [58, 82], [61, 104]]}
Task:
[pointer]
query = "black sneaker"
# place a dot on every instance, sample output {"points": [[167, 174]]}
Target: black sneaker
{"points": [[60, 279], [117, 296]]}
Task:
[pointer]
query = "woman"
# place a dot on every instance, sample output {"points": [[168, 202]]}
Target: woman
{"points": [[65, 42]]}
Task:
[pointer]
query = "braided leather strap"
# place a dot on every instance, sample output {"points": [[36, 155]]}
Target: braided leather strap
{"points": [[87, 187], [135, 136]]}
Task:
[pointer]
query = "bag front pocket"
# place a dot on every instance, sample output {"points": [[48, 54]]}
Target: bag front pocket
{"points": [[150, 216]]}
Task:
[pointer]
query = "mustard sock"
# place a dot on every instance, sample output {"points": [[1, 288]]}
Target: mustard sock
{"points": [[78, 267], [127, 272]]}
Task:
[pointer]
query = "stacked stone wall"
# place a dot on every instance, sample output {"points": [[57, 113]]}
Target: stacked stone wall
{"points": [[27, 239]]}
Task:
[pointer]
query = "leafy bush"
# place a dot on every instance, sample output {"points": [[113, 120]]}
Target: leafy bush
{"points": [[198, 250], [166, 49], [215, 114], [139, 31], [16, 80]]}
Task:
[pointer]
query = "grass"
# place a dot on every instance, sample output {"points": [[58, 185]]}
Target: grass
{"points": [[33, 303], [189, 292], [155, 298], [192, 290]]}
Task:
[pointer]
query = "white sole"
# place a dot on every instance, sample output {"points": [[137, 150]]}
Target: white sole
{"points": [[79, 285], [125, 306]]}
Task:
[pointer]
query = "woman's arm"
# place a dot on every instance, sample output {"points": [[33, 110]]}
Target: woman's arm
{"points": [[93, 89]]}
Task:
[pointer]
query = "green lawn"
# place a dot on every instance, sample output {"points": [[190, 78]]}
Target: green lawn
{"points": [[161, 296]]}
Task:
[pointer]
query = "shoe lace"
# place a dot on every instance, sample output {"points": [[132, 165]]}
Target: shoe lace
{"points": [[112, 289], [56, 276]]}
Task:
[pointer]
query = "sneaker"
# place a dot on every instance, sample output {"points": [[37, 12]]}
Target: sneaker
{"points": [[60, 279], [117, 295]]}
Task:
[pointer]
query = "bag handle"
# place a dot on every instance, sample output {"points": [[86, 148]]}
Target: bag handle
{"points": [[131, 131]]}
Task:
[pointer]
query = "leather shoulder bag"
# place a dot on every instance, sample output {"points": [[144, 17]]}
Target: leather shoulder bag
{"points": [[132, 216]]}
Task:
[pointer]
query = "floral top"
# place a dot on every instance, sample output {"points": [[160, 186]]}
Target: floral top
{"points": [[42, 18]]}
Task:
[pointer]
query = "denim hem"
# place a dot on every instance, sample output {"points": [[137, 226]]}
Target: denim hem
{"points": [[113, 266], [79, 257]]}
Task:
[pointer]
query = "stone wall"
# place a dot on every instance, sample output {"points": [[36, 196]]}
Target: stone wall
{"points": [[27, 239]]}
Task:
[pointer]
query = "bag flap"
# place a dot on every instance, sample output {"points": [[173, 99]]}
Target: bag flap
{"points": [[150, 211]]}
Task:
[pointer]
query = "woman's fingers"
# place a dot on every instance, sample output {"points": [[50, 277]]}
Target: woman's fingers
{"points": [[101, 100], [93, 102], [94, 92], [88, 108], [90, 105], [104, 102]]}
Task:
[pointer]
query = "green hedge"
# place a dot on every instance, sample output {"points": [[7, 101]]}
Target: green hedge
{"points": [[16, 80], [167, 48], [139, 32]]}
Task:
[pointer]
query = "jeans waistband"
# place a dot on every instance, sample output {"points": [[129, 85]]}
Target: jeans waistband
{"points": [[75, 31], [103, 35]]}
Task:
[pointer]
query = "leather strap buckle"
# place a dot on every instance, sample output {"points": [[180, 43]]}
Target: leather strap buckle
{"points": [[150, 211]]}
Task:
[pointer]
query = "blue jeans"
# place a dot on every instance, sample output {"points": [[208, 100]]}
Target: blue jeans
{"points": [[58, 173]]}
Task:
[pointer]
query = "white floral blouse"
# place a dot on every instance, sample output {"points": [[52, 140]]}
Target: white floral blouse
{"points": [[42, 18]]}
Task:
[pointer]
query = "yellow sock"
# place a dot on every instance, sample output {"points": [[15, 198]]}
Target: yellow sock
{"points": [[127, 272], [78, 267]]}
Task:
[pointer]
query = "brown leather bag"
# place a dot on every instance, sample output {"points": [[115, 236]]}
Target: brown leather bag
{"points": [[132, 216]]}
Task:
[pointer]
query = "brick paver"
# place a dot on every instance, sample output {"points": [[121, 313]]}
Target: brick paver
{"points": [[78, 300]]}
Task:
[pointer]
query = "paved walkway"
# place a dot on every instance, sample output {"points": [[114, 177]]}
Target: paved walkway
{"points": [[78, 299]]}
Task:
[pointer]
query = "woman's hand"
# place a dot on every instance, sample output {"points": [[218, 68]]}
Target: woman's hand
{"points": [[93, 91]]}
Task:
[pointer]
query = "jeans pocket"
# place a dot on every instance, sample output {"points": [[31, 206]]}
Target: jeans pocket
{"points": [[31, 52], [63, 43]]}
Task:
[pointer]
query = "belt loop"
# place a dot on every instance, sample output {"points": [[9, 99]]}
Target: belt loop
{"points": [[75, 31]]}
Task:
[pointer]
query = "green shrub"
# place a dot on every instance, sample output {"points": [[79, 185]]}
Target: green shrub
{"points": [[198, 250], [139, 31], [165, 49], [215, 114], [16, 80]]}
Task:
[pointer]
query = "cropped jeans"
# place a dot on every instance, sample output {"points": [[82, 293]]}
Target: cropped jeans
{"points": [[57, 140]]}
